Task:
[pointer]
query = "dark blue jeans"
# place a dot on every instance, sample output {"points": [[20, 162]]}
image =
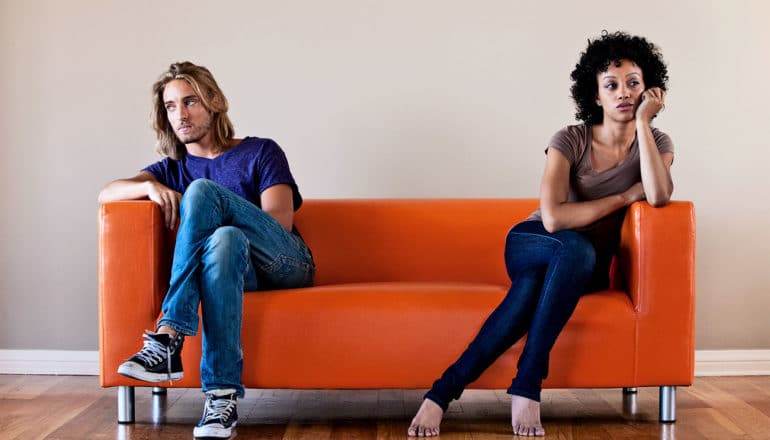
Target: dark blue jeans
{"points": [[549, 273]]}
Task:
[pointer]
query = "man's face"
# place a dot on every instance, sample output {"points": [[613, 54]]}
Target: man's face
{"points": [[188, 116]]}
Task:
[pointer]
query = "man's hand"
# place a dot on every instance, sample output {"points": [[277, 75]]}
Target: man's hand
{"points": [[168, 199], [653, 101]]}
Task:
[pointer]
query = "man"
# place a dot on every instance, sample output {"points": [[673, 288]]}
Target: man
{"points": [[234, 202]]}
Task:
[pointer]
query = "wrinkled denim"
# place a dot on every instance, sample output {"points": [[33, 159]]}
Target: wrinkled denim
{"points": [[549, 273], [225, 245]]}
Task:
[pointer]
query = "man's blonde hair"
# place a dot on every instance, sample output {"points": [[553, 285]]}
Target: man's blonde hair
{"points": [[202, 81]]}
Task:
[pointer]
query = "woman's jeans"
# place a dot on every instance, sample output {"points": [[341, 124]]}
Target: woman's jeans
{"points": [[549, 273], [225, 245]]}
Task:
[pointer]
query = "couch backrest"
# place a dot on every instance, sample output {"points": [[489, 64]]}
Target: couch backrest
{"points": [[371, 240]]}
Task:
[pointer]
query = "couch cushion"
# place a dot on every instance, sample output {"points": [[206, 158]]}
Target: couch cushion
{"points": [[384, 335], [378, 240]]}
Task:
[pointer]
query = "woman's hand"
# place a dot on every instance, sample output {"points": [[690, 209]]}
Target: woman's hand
{"points": [[634, 194], [168, 199], [653, 101]]}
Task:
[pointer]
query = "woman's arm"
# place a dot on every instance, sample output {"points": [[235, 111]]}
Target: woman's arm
{"points": [[559, 214], [144, 185], [655, 167], [278, 201]]}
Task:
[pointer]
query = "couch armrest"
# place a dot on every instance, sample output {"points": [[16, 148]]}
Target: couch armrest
{"points": [[134, 265], [657, 259]]}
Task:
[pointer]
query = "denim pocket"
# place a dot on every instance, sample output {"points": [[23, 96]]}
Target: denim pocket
{"points": [[286, 272]]}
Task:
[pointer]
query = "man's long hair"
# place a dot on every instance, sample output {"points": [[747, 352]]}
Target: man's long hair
{"points": [[202, 81]]}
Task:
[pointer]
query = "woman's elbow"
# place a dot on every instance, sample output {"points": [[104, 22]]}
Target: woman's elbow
{"points": [[551, 224], [658, 202]]}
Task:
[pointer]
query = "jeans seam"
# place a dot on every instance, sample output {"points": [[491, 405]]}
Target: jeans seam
{"points": [[185, 330], [538, 235]]}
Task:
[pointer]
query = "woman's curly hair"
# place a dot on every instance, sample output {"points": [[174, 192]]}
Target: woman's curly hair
{"points": [[613, 47]]}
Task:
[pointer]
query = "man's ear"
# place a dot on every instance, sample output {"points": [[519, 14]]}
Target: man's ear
{"points": [[217, 104]]}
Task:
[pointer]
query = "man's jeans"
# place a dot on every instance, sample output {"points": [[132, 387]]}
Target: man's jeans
{"points": [[226, 245], [549, 273]]}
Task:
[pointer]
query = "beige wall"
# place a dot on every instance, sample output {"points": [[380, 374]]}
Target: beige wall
{"points": [[400, 98]]}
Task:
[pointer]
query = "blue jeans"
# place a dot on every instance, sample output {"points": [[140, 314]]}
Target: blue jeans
{"points": [[549, 273], [225, 245]]}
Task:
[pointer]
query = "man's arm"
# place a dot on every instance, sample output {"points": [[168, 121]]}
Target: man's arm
{"points": [[278, 201], [144, 185]]}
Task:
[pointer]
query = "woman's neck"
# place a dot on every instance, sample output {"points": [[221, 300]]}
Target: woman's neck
{"points": [[614, 134]]}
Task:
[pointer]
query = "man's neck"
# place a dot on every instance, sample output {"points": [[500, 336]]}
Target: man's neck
{"points": [[203, 148]]}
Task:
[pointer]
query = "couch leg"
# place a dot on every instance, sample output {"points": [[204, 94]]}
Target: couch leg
{"points": [[630, 406], [125, 404], [629, 390], [158, 390], [668, 404]]}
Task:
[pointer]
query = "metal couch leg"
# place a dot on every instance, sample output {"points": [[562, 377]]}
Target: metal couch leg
{"points": [[125, 404], [629, 390], [158, 390], [668, 404]]}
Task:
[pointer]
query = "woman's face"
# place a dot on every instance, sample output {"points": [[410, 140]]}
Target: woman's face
{"points": [[620, 90]]}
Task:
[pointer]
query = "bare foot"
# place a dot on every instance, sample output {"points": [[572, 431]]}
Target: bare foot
{"points": [[525, 417], [427, 420]]}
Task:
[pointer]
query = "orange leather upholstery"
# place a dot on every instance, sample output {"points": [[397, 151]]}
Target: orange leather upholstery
{"points": [[402, 287]]}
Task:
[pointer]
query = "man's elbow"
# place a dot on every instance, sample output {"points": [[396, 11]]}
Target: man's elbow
{"points": [[284, 218]]}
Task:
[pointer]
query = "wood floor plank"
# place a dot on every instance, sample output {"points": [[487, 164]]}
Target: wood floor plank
{"points": [[72, 407], [64, 401], [308, 431], [753, 391], [26, 387], [732, 412]]}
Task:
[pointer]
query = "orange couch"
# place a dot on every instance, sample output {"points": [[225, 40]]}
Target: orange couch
{"points": [[401, 288]]}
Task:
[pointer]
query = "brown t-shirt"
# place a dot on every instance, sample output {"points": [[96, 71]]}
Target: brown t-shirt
{"points": [[574, 142]]}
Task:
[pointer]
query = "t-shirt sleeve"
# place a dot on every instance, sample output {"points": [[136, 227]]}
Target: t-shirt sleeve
{"points": [[662, 141], [159, 170], [274, 170], [567, 142]]}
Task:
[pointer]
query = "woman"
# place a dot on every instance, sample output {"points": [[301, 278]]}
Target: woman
{"points": [[593, 171]]}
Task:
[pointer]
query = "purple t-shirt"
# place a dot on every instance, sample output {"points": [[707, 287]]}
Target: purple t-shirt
{"points": [[246, 169]]}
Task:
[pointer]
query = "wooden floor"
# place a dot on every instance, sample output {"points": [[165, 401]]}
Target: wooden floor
{"points": [[74, 407]]}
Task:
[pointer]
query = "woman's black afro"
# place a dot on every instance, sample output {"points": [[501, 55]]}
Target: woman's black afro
{"points": [[613, 47]]}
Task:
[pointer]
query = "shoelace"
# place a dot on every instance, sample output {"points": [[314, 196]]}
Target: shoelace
{"points": [[153, 352], [218, 410]]}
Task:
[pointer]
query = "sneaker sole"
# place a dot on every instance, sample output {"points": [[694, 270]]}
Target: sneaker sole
{"points": [[213, 431], [136, 371]]}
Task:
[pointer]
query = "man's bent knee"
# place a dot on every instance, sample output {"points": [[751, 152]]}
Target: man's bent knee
{"points": [[228, 239]]}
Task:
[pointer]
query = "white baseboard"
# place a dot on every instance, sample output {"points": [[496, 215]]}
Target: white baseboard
{"points": [[707, 362], [732, 362], [63, 362]]}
